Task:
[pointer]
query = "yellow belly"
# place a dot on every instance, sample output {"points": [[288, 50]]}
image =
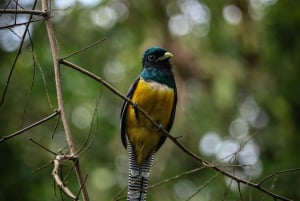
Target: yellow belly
{"points": [[157, 100]]}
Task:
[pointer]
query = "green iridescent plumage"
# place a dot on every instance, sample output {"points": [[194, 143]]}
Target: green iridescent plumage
{"points": [[158, 70]]}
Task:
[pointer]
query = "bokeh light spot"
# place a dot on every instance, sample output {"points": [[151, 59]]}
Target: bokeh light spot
{"points": [[188, 16], [179, 25], [227, 150], [254, 170], [197, 12], [103, 178], [249, 154], [261, 120], [183, 188], [105, 17], [81, 117], [249, 109], [114, 71], [232, 184], [59, 4], [10, 39], [239, 128], [209, 143], [120, 9], [89, 3], [232, 14]]}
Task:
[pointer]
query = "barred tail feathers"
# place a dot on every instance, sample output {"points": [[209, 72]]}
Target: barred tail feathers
{"points": [[138, 177]]}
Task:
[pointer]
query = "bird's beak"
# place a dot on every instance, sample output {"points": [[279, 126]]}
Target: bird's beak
{"points": [[167, 55]]}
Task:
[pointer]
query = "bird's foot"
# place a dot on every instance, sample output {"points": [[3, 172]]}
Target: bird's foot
{"points": [[135, 109], [134, 105], [159, 127]]}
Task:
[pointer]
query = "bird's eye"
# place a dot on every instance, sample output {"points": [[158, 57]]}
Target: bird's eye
{"points": [[151, 57]]}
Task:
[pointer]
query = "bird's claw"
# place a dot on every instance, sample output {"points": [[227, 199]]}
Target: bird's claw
{"points": [[134, 105], [159, 127], [135, 109]]}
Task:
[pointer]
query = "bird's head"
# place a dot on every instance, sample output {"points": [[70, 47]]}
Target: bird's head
{"points": [[157, 57], [156, 66]]}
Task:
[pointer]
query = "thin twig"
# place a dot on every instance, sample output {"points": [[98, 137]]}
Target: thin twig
{"points": [[85, 48], [37, 63], [32, 82], [4, 138], [9, 26], [42, 146], [89, 140], [177, 176], [276, 173], [203, 186], [240, 192], [80, 189], [55, 127], [42, 167]]}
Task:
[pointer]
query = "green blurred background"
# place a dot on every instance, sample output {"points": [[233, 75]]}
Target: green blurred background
{"points": [[236, 64]]}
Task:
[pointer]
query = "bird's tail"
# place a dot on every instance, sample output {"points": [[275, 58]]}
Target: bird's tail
{"points": [[138, 176]]}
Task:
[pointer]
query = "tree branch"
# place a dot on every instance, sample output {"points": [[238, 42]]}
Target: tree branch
{"points": [[24, 11], [4, 138], [57, 163], [171, 137], [69, 137]]}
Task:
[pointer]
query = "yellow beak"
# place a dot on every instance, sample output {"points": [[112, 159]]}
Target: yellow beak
{"points": [[167, 55]]}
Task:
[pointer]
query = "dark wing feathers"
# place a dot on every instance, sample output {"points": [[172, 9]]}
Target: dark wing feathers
{"points": [[123, 111], [171, 121]]}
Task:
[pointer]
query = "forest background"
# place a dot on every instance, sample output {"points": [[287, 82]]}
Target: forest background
{"points": [[236, 65]]}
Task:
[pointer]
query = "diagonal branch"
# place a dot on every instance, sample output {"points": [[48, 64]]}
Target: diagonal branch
{"points": [[7, 137], [99, 79], [172, 138]]}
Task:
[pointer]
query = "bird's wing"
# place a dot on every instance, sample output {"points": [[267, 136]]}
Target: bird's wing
{"points": [[123, 111], [170, 124], [171, 121]]}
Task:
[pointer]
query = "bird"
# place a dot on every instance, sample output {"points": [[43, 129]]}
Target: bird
{"points": [[154, 90]]}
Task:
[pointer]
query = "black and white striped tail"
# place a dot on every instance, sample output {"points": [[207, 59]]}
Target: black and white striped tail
{"points": [[138, 176]]}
